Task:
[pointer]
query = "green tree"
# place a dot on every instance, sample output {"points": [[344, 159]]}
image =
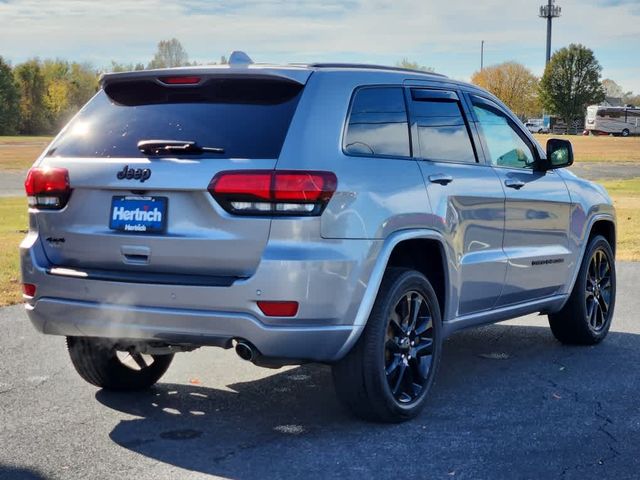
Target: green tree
{"points": [[406, 63], [31, 83], [170, 53], [68, 87], [56, 97], [83, 84], [571, 82], [9, 100], [512, 83]]}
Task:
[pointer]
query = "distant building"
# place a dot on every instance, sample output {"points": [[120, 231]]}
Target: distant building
{"points": [[612, 102]]}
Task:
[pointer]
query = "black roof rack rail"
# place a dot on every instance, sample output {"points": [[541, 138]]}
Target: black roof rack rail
{"points": [[373, 67]]}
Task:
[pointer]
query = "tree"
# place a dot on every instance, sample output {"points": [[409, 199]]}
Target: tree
{"points": [[512, 83], [9, 100], [68, 87], [406, 63], [56, 97], [631, 99], [31, 83], [83, 83], [124, 67], [170, 53], [571, 82], [612, 89]]}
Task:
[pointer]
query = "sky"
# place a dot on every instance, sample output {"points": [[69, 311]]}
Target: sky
{"points": [[444, 35]]}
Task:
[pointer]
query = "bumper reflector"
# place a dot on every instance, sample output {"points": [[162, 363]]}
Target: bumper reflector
{"points": [[29, 289], [279, 309]]}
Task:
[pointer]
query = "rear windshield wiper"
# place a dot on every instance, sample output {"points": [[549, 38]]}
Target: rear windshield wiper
{"points": [[168, 147]]}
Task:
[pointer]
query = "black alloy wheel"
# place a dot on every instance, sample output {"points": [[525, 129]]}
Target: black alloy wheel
{"points": [[409, 347], [598, 290]]}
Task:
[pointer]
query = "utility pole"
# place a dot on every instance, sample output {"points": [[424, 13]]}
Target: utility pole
{"points": [[549, 11], [481, 55]]}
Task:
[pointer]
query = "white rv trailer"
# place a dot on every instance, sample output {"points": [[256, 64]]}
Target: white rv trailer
{"points": [[613, 120]]}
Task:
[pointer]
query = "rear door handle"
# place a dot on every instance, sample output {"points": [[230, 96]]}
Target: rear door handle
{"points": [[513, 183], [441, 178]]}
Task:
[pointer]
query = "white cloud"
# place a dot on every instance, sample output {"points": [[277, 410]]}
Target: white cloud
{"points": [[442, 34]]}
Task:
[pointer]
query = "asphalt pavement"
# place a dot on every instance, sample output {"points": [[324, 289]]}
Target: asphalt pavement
{"points": [[509, 402]]}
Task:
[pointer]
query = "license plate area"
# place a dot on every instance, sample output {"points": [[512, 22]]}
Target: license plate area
{"points": [[137, 214]]}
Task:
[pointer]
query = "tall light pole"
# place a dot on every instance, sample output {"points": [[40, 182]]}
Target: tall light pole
{"points": [[481, 55], [549, 11]]}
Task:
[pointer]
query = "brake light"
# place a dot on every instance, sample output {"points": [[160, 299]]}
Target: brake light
{"points": [[47, 188], [185, 80], [271, 192], [279, 309]]}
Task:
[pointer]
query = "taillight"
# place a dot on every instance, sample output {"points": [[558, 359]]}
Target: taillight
{"points": [[47, 188], [273, 192]]}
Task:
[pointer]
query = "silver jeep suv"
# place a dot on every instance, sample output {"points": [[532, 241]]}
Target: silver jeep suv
{"points": [[347, 214]]}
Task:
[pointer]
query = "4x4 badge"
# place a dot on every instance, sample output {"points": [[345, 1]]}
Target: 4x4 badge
{"points": [[127, 173]]}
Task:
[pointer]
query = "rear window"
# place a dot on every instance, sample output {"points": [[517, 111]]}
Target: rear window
{"points": [[248, 118], [378, 123]]}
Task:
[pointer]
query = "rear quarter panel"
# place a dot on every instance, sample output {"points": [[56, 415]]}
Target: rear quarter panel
{"points": [[375, 196]]}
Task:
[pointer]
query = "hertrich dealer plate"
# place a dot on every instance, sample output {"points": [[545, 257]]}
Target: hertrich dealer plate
{"points": [[138, 214]]}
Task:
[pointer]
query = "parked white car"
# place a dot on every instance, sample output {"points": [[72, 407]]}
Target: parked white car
{"points": [[536, 127]]}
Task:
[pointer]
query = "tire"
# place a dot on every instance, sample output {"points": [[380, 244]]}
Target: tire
{"points": [[625, 132], [100, 364], [372, 380], [586, 317]]}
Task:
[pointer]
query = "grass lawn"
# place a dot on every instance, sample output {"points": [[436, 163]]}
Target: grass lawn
{"points": [[13, 222], [626, 197], [600, 148], [18, 153]]}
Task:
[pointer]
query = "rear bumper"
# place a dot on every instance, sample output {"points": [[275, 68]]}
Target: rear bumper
{"points": [[328, 279], [191, 327]]}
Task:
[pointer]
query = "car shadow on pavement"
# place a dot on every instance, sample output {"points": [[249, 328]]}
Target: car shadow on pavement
{"points": [[19, 473], [505, 392]]}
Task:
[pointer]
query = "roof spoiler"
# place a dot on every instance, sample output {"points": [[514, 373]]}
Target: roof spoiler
{"points": [[243, 70]]}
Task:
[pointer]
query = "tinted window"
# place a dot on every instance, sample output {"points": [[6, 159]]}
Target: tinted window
{"points": [[378, 123], [442, 131], [506, 148], [611, 112], [247, 118]]}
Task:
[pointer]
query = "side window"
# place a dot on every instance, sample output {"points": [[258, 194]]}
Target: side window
{"points": [[442, 131], [506, 147], [378, 123]]}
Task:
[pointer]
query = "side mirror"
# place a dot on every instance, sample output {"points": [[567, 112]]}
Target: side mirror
{"points": [[559, 153]]}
